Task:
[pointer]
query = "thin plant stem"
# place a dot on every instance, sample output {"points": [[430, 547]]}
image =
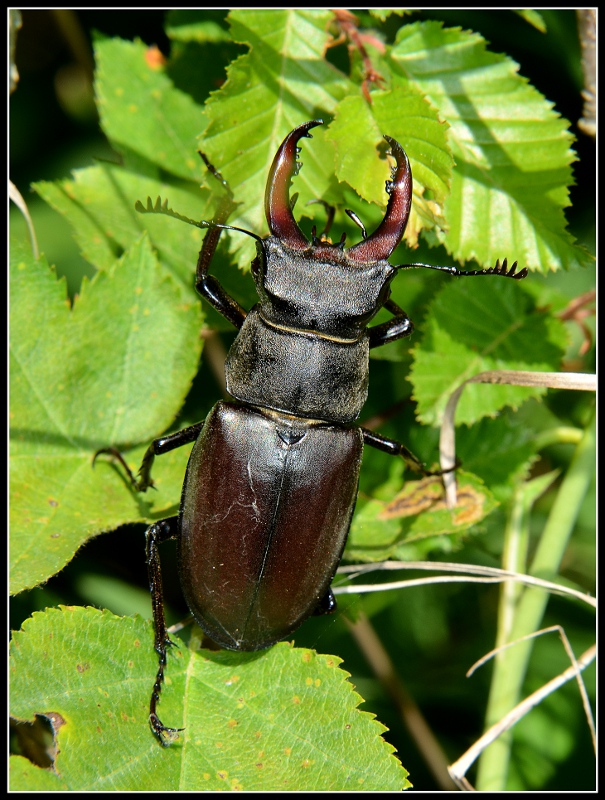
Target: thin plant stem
{"points": [[511, 664], [469, 575], [384, 669], [494, 734]]}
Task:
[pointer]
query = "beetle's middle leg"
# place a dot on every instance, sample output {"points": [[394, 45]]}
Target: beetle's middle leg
{"points": [[157, 448], [157, 533], [398, 327]]}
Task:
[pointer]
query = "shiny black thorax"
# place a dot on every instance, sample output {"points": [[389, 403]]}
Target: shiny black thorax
{"points": [[304, 348]]}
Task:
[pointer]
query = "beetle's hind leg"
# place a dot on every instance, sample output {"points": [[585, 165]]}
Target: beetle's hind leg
{"points": [[157, 533], [395, 448], [327, 604]]}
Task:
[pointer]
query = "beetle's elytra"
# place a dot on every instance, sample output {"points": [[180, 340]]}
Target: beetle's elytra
{"points": [[290, 515], [272, 478]]}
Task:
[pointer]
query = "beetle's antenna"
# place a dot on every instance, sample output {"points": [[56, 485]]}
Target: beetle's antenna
{"points": [[162, 208], [503, 270], [357, 221]]}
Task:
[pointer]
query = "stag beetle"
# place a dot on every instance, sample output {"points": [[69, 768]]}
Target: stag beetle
{"points": [[272, 479]]}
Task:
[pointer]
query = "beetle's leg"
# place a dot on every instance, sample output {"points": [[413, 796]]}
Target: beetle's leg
{"points": [[159, 446], [503, 270], [164, 445], [398, 327], [157, 533], [330, 211], [395, 448], [327, 604], [207, 285]]}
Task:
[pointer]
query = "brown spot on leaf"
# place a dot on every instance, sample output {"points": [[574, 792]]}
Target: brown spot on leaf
{"points": [[428, 494]]}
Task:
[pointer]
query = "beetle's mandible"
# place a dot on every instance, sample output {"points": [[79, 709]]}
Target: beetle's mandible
{"points": [[272, 479]]}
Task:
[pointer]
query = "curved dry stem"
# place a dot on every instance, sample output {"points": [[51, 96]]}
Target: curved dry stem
{"points": [[460, 767], [569, 650], [578, 381], [486, 575], [17, 198]]}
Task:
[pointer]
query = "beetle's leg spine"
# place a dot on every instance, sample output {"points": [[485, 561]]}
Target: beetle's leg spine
{"points": [[157, 533], [144, 479]]}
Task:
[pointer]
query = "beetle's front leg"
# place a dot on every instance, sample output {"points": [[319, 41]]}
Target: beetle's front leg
{"points": [[207, 285], [157, 448], [398, 327], [395, 448], [157, 533]]}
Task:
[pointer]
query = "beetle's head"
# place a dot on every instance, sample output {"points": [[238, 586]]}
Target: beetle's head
{"points": [[278, 208]]}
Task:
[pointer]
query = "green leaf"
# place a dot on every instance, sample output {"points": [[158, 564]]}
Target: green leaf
{"points": [[383, 13], [83, 378], [406, 116], [533, 17], [386, 525], [142, 111], [282, 82], [284, 719], [500, 451], [99, 204], [185, 25], [27, 777], [471, 329], [512, 151]]}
